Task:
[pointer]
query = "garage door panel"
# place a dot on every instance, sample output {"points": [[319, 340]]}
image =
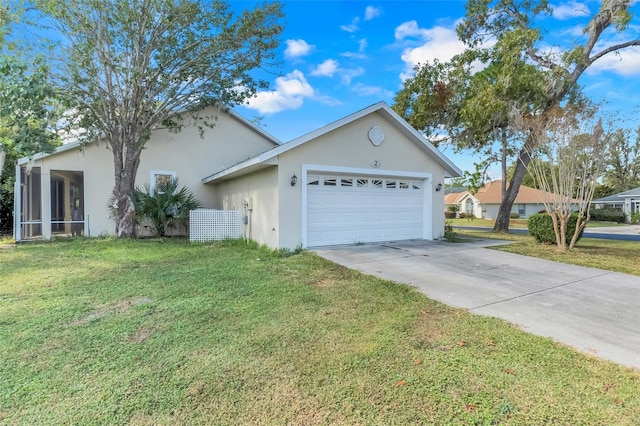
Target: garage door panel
{"points": [[354, 209]]}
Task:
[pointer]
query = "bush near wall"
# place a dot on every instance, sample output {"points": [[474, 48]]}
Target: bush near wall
{"points": [[450, 214], [514, 216], [540, 226], [608, 214]]}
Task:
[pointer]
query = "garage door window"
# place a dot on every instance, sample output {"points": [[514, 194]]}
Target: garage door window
{"points": [[363, 182]]}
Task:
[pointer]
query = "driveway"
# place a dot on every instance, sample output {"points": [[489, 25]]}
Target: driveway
{"points": [[592, 310]]}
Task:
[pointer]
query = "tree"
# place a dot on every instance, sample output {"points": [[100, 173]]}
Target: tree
{"points": [[127, 67], [513, 26], [28, 112], [622, 170], [566, 166]]}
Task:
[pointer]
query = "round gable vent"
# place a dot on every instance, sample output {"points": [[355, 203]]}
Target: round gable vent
{"points": [[376, 135]]}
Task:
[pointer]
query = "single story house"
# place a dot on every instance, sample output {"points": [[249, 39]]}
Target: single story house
{"points": [[627, 201], [486, 202], [364, 178]]}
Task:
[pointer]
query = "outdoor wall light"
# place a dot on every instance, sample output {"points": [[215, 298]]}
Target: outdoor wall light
{"points": [[439, 187], [294, 180]]}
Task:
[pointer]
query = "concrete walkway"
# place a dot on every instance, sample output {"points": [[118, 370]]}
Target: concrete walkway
{"points": [[592, 310]]}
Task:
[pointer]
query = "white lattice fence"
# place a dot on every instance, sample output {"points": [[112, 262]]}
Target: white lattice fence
{"points": [[208, 225]]}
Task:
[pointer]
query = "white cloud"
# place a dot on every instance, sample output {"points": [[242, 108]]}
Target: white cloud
{"points": [[291, 90], [331, 67], [352, 27], [364, 90], [326, 69], [347, 74], [571, 9], [297, 48], [434, 43], [362, 45], [625, 63], [371, 12]]}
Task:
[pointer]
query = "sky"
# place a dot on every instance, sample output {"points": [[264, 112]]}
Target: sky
{"points": [[338, 57]]}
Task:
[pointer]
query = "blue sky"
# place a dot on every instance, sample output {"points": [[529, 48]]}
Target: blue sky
{"points": [[341, 56]]}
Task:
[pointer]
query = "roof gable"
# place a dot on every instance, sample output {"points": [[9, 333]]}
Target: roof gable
{"points": [[393, 118], [78, 144]]}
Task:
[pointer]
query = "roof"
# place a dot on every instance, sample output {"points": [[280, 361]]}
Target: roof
{"points": [[454, 197], [270, 157], [616, 198], [491, 193], [77, 144], [455, 189]]}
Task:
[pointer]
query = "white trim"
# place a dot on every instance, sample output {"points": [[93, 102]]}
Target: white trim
{"points": [[154, 173], [411, 133], [427, 188], [17, 201]]}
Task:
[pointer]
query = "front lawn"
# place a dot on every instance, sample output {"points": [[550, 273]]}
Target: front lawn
{"points": [[167, 332], [611, 255], [520, 223]]}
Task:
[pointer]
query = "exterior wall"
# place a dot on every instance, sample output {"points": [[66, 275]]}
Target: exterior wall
{"points": [[350, 147], [492, 209], [188, 154], [256, 195]]}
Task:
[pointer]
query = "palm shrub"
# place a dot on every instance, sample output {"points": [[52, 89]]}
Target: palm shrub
{"points": [[165, 207]]}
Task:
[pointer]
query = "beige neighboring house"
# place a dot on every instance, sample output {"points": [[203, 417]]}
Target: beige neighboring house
{"points": [[365, 178], [485, 203]]}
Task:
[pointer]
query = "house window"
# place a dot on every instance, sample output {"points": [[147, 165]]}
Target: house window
{"points": [[376, 183], [363, 183], [313, 180], [160, 177], [391, 184], [469, 206], [522, 210], [346, 182]]}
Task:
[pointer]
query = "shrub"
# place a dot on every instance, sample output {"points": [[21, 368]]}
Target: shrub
{"points": [[462, 215], [453, 208], [635, 217], [449, 214], [541, 228], [514, 216], [608, 214], [449, 233]]}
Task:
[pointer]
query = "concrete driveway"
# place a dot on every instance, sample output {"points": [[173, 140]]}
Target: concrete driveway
{"points": [[594, 311]]}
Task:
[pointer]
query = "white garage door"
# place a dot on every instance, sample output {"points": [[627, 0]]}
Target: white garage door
{"points": [[346, 209]]}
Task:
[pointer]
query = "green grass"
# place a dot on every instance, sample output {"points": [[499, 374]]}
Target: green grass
{"points": [[611, 255], [151, 332], [520, 223]]}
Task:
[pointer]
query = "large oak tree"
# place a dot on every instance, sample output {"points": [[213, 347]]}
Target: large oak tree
{"points": [[127, 67], [528, 78]]}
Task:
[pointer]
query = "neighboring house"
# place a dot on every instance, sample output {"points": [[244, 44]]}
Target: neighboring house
{"points": [[627, 201], [486, 202], [367, 177]]}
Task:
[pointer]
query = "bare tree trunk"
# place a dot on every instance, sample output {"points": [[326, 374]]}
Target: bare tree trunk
{"points": [[125, 170], [504, 212], [503, 182]]}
